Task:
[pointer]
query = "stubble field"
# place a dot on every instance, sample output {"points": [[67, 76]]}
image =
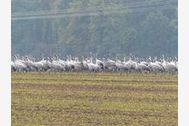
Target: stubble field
{"points": [[94, 99]]}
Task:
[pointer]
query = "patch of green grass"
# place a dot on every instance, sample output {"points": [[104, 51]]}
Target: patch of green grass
{"points": [[94, 99]]}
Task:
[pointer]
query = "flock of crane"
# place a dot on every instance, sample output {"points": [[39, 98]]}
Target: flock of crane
{"points": [[92, 64]]}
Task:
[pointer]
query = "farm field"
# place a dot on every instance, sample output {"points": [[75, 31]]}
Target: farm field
{"points": [[94, 99]]}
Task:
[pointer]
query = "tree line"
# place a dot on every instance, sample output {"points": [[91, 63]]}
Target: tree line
{"points": [[140, 27]]}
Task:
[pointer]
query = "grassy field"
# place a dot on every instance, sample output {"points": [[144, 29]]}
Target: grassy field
{"points": [[100, 99]]}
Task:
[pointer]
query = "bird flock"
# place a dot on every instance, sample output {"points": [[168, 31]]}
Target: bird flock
{"points": [[93, 64]]}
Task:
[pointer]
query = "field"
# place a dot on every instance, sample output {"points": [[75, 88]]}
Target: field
{"points": [[94, 99]]}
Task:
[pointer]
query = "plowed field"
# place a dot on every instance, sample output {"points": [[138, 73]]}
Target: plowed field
{"points": [[94, 99]]}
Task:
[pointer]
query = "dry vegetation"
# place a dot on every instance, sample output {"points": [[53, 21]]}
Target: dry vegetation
{"points": [[94, 99]]}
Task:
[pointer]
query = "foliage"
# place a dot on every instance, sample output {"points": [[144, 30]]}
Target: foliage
{"points": [[141, 31]]}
